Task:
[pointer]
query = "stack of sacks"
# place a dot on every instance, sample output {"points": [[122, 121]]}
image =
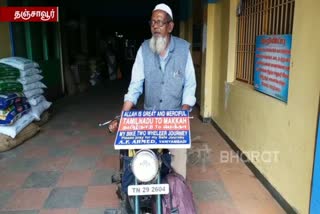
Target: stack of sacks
{"points": [[95, 74], [32, 86], [14, 108], [81, 72]]}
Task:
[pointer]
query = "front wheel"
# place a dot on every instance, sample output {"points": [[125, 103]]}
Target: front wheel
{"points": [[145, 202]]}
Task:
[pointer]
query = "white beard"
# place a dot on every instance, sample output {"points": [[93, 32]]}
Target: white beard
{"points": [[158, 44]]}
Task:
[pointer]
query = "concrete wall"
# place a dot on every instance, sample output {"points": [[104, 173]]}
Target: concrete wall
{"points": [[257, 122]]}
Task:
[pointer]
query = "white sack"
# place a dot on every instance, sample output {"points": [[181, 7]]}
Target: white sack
{"points": [[16, 128], [39, 109], [19, 62], [30, 79]]}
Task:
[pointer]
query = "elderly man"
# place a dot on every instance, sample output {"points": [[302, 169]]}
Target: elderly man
{"points": [[164, 65]]}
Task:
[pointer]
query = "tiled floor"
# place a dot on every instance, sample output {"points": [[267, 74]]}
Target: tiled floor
{"points": [[67, 167]]}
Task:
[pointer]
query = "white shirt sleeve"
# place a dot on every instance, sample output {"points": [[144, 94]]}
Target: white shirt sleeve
{"points": [[137, 78], [189, 84]]}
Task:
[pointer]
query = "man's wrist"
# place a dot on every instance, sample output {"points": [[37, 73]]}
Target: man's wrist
{"points": [[127, 106], [186, 107]]}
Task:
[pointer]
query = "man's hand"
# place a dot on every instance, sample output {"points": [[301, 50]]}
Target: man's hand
{"points": [[113, 125]]}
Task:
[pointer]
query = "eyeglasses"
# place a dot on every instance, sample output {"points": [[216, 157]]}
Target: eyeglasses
{"points": [[160, 23]]}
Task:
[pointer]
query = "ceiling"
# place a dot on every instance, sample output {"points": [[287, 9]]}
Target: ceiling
{"points": [[129, 16], [117, 8]]}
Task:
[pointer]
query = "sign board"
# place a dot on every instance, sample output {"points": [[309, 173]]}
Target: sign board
{"points": [[272, 65], [29, 14], [153, 129], [315, 188]]}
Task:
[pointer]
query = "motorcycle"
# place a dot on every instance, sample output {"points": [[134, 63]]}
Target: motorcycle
{"points": [[143, 195], [140, 177]]}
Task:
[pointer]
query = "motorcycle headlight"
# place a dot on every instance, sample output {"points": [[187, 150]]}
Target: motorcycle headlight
{"points": [[145, 165]]}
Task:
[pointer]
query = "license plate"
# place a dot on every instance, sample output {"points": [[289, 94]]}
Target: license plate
{"points": [[149, 189]]}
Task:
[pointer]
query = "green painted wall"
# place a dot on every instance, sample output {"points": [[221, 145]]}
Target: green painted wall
{"points": [[5, 46]]}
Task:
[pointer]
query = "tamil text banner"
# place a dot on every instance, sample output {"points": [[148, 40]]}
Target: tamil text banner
{"points": [[29, 14]]}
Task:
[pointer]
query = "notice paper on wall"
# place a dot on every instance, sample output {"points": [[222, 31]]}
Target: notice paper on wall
{"points": [[272, 65]]}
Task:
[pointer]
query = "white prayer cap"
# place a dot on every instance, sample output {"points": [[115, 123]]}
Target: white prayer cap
{"points": [[164, 8]]}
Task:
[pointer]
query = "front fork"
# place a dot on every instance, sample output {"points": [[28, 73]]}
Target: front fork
{"points": [[159, 204], [136, 198]]}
